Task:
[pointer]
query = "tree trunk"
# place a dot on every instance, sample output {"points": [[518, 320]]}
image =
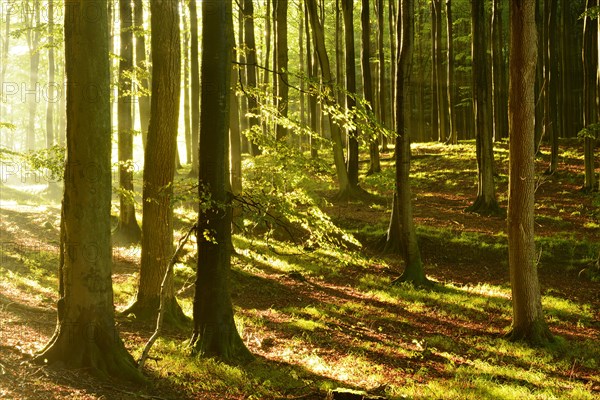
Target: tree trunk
{"points": [[498, 72], [159, 171], [486, 193], [348, 16], [33, 41], [345, 188], [551, 82], [195, 100], [282, 66], [413, 265], [442, 91], [312, 70], [142, 69], [85, 335], [235, 136], [51, 96], [215, 333], [528, 319], [128, 230], [453, 138], [435, 121], [5, 46], [187, 122], [365, 58], [251, 74], [381, 61], [590, 62]]}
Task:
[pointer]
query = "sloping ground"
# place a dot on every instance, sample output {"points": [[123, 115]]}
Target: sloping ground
{"points": [[323, 319]]}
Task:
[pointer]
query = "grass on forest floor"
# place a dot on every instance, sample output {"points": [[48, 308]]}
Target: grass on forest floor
{"points": [[328, 318]]}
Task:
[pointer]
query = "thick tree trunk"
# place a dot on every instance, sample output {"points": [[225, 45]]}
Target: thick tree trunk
{"points": [[157, 225], [195, 73], [528, 318], [128, 230], [215, 333], [413, 265], [486, 202], [85, 335], [143, 70], [365, 58]]}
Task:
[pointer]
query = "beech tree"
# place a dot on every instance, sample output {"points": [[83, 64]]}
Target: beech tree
{"points": [[486, 202], [159, 159], [401, 231], [128, 230], [528, 318], [85, 335], [215, 333]]}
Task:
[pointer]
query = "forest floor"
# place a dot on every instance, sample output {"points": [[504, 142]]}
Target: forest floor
{"points": [[322, 319]]}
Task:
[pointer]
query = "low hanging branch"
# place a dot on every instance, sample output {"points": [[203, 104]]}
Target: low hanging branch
{"points": [[161, 310]]}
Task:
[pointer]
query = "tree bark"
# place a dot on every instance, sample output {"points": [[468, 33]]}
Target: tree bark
{"points": [[85, 335], [365, 58], [486, 202], [186, 89], [128, 230], [528, 319], [345, 188], [195, 73], [452, 135], [498, 73], [589, 59], [33, 40], [251, 74], [348, 16], [282, 66], [402, 205], [159, 171], [215, 333], [51, 73], [142, 68]]}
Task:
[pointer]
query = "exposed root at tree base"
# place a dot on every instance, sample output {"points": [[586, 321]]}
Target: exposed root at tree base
{"points": [[148, 311], [486, 208], [536, 335]]}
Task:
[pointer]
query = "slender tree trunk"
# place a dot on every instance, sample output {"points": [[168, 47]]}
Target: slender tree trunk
{"points": [[551, 82], [33, 40], [128, 230], [195, 100], [413, 265], [187, 122], [312, 70], [345, 188], [86, 335], [5, 47], [391, 21], [215, 333], [498, 72], [159, 159], [435, 121], [528, 318], [142, 69], [348, 16], [381, 59], [453, 138], [590, 62], [235, 136], [365, 24], [51, 73], [282, 65], [251, 74], [486, 193], [442, 92]]}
